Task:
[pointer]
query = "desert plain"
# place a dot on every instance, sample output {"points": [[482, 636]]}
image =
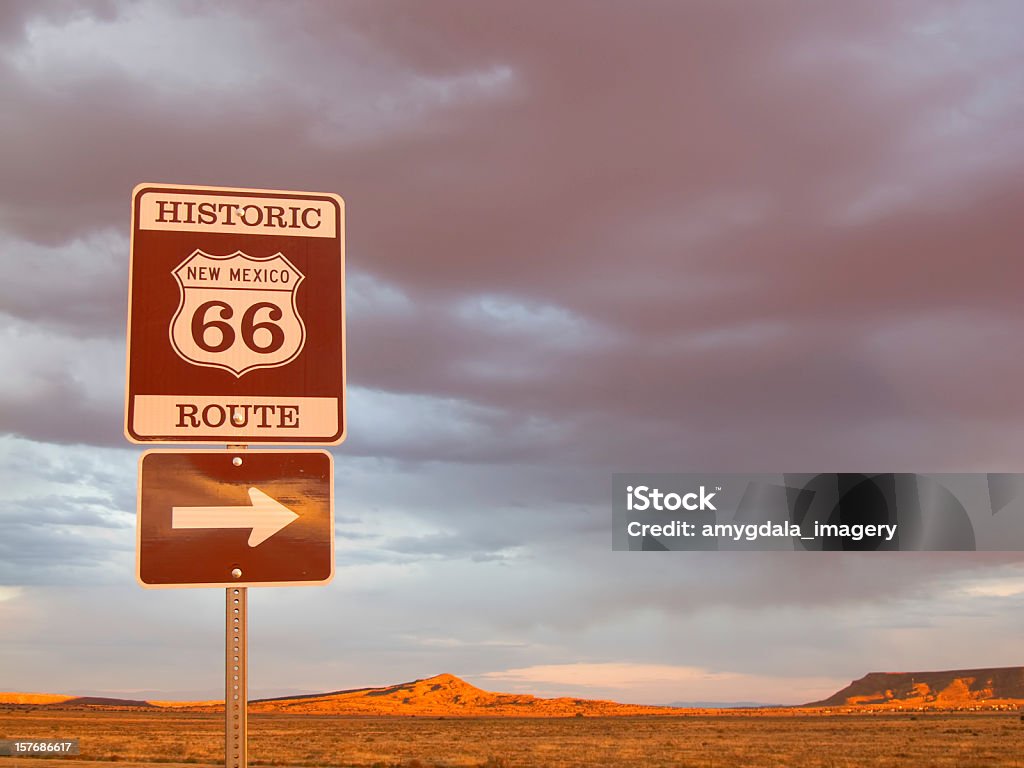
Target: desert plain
{"points": [[884, 720], [735, 740]]}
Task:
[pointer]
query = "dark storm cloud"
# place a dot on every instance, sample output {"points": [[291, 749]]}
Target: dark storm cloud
{"points": [[747, 328], [77, 289], [715, 211], [756, 316], [61, 392]]}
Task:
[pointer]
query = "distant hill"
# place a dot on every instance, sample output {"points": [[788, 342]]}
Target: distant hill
{"points": [[446, 695], [59, 701], [932, 690], [439, 696]]}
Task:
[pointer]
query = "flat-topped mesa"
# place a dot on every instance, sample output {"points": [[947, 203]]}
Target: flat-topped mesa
{"points": [[939, 689]]}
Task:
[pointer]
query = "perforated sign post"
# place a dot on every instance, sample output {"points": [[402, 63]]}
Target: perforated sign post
{"points": [[236, 335], [236, 329]]}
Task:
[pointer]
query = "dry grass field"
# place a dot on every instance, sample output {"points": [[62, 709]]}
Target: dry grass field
{"points": [[167, 739]]}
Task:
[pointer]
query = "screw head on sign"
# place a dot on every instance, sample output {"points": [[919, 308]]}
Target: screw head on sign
{"points": [[236, 573]]}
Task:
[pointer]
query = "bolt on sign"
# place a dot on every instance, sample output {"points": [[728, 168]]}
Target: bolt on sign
{"points": [[236, 323], [215, 518]]}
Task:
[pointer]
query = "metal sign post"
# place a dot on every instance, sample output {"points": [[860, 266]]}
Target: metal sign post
{"points": [[236, 678]]}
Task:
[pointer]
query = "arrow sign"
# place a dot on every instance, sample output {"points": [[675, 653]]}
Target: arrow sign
{"points": [[225, 518], [266, 517]]}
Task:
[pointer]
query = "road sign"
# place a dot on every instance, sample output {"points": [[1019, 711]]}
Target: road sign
{"points": [[235, 518], [236, 330]]}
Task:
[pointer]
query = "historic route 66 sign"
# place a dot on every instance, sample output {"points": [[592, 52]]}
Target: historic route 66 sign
{"points": [[237, 312], [236, 328]]}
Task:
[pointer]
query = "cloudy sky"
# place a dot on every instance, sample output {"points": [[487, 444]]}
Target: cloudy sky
{"points": [[583, 237]]}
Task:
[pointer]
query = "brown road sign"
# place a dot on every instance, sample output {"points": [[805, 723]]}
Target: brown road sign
{"points": [[235, 518], [236, 322]]}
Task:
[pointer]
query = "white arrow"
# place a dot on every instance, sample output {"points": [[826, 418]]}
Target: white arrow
{"points": [[266, 517]]}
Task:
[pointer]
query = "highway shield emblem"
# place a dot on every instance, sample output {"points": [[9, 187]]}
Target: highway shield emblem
{"points": [[237, 312]]}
